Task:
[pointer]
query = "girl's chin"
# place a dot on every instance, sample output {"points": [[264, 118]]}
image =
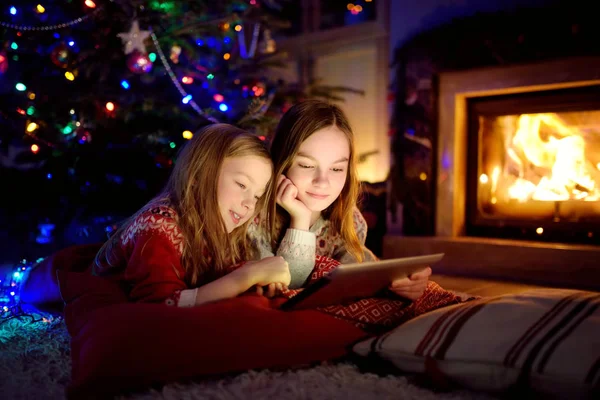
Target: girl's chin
{"points": [[318, 209], [316, 206]]}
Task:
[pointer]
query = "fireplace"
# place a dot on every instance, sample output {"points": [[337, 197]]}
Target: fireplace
{"points": [[533, 165], [517, 177]]}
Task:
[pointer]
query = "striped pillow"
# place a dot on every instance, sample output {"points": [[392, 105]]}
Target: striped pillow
{"points": [[543, 340]]}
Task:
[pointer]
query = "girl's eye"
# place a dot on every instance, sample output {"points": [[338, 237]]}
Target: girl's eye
{"points": [[304, 166], [241, 185], [338, 169]]}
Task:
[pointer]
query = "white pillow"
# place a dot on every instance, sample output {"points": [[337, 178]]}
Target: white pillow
{"points": [[545, 340]]}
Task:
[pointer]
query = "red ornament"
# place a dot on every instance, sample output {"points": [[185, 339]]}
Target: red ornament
{"points": [[139, 63], [3, 62], [61, 55]]}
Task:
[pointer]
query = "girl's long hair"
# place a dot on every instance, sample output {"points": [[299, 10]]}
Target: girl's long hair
{"points": [[191, 191], [296, 125]]}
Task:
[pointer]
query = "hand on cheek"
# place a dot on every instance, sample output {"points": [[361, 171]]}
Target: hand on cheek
{"points": [[287, 197], [413, 286], [287, 193]]}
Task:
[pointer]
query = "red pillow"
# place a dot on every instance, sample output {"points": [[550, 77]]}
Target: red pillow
{"points": [[84, 293], [41, 287], [131, 346]]}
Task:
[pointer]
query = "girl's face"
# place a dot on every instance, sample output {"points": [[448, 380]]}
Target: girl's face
{"points": [[320, 168], [242, 181]]}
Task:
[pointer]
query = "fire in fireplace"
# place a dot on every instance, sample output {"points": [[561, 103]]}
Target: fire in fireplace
{"points": [[534, 165]]}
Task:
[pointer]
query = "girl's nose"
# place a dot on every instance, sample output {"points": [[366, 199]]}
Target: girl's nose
{"points": [[249, 202], [321, 178]]}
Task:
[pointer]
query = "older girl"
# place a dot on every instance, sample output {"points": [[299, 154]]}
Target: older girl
{"points": [[314, 208]]}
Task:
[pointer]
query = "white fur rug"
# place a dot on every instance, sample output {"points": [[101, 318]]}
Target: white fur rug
{"points": [[35, 364]]}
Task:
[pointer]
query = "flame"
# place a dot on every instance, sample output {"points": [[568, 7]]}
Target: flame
{"points": [[550, 157], [495, 176]]}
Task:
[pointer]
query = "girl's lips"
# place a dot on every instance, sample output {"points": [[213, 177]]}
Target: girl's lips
{"points": [[234, 218], [318, 196]]}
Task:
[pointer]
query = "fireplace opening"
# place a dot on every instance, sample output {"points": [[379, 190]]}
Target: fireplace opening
{"points": [[533, 167]]}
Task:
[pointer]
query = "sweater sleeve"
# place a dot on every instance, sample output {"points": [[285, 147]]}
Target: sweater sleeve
{"points": [[154, 272], [360, 225], [297, 247]]}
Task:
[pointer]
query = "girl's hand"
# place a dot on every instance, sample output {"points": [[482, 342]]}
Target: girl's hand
{"points": [[287, 197], [413, 286], [266, 271], [271, 290]]}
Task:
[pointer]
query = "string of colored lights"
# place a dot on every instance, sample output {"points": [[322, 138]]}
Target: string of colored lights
{"points": [[174, 79], [10, 291], [47, 28], [186, 98]]}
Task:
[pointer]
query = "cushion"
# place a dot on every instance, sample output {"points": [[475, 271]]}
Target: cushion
{"points": [[84, 293], [544, 340], [40, 289], [118, 346]]}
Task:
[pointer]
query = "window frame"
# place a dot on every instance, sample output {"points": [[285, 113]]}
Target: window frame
{"points": [[313, 40]]}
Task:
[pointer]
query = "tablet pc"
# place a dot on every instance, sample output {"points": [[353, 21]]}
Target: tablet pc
{"points": [[350, 282]]}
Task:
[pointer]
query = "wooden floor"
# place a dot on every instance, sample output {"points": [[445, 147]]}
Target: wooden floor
{"points": [[479, 287]]}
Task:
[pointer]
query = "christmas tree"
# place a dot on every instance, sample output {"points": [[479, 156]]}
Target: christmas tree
{"points": [[97, 97]]}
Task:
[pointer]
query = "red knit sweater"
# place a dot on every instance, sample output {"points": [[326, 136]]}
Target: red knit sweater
{"points": [[148, 258]]}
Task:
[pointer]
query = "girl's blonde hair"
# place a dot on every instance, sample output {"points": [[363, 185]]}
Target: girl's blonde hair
{"points": [[191, 191], [296, 125]]}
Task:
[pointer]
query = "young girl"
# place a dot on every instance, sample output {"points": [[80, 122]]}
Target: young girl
{"points": [[182, 246], [314, 208]]}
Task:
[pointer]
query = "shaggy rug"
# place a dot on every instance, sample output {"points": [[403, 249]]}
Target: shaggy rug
{"points": [[35, 364]]}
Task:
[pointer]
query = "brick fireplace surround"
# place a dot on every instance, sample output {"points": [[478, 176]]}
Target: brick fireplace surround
{"points": [[554, 264]]}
